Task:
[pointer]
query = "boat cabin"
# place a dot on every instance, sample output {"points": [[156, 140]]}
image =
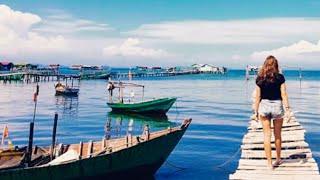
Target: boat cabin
{"points": [[122, 96]]}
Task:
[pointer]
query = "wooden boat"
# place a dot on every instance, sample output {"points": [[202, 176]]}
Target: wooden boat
{"points": [[155, 106], [11, 158], [128, 157], [160, 106], [16, 158], [67, 90]]}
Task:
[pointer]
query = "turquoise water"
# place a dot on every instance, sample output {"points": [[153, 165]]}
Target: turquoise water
{"points": [[218, 104]]}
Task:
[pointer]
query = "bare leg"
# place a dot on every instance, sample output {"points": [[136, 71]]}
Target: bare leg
{"points": [[267, 138], [277, 136]]}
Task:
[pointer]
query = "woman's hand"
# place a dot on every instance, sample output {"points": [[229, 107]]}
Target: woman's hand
{"points": [[255, 116], [256, 103], [287, 114]]}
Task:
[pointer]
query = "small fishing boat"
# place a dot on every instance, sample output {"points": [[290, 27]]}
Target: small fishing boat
{"points": [[67, 90], [17, 158], [11, 158], [160, 106], [127, 157], [154, 106]]}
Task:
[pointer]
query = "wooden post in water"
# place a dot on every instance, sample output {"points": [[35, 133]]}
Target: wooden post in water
{"points": [[247, 73], [300, 76], [54, 131], [30, 144], [29, 153], [142, 93], [130, 75], [72, 82]]}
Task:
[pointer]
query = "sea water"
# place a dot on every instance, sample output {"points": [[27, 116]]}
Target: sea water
{"points": [[220, 106]]}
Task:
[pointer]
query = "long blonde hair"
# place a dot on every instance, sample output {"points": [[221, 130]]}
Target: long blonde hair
{"points": [[270, 69]]}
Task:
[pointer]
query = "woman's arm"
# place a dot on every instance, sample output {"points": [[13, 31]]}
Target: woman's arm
{"points": [[257, 100], [284, 96]]}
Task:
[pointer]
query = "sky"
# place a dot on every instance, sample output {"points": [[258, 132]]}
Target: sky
{"points": [[127, 33]]}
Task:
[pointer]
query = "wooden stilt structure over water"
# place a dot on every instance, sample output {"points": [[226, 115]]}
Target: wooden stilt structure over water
{"points": [[35, 77], [296, 154]]}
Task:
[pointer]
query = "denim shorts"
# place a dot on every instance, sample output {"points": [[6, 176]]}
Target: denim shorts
{"points": [[272, 109]]}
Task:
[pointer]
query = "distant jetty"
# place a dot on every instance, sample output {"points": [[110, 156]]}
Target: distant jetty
{"points": [[55, 72], [145, 72]]}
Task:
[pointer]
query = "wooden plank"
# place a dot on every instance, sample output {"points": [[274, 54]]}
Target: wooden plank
{"points": [[283, 129], [285, 145], [284, 154], [291, 128], [103, 144], [259, 126], [247, 176], [261, 155], [280, 168], [286, 162], [273, 172], [284, 139], [292, 122], [80, 151], [285, 133], [90, 148]]}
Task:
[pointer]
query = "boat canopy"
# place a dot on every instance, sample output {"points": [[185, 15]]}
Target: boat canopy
{"points": [[121, 86], [125, 84]]}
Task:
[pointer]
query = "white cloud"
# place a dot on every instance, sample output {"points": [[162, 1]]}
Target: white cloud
{"points": [[131, 48], [16, 22], [261, 31], [27, 37], [17, 38], [294, 51], [59, 36], [63, 23]]}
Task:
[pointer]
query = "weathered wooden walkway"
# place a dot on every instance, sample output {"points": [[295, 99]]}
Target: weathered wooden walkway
{"points": [[297, 157]]}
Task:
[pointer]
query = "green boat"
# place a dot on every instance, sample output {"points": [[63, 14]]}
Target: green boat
{"points": [[160, 106], [155, 106], [134, 157]]}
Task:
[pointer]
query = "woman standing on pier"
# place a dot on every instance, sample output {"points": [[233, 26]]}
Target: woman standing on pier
{"points": [[271, 97]]}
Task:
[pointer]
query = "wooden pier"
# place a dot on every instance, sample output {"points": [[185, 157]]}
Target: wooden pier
{"points": [[149, 74], [52, 75], [129, 75], [297, 157], [34, 76]]}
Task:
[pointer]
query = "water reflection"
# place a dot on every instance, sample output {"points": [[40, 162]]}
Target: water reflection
{"points": [[121, 124], [68, 107]]}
